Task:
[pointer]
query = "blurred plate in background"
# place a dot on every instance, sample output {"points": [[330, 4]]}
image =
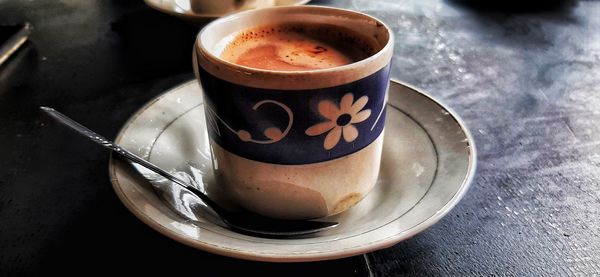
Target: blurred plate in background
{"points": [[184, 9]]}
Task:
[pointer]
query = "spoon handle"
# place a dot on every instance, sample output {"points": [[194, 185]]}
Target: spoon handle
{"points": [[97, 138]]}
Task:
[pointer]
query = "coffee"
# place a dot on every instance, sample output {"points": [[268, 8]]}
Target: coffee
{"points": [[296, 46]]}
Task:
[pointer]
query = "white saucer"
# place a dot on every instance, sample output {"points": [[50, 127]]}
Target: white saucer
{"points": [[183, 9], [427, 166]]}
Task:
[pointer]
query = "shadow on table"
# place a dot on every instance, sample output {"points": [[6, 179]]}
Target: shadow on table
{"points": [[106, 239], [516, 24], [132, 247], [515, 6], [155, 44]]}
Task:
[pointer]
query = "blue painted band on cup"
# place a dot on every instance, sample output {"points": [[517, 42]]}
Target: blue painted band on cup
{"points": [[295, 126]]}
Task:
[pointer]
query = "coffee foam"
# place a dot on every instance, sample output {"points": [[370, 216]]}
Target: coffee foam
{"points": [[296, 46]]}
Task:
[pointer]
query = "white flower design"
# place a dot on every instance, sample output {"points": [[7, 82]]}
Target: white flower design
{"points": [[340, 120]]}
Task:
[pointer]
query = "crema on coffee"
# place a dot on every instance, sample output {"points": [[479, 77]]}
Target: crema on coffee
{"points": [[296, 46]]}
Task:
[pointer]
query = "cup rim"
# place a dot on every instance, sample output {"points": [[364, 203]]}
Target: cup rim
{"points": [[200, 46]]}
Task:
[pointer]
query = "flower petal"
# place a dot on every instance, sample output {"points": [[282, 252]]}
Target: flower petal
{"points": [[350, 133], [359, 104], [332, 138], [273, 133], [346, 103], [361, 116], [329, 110], [320, 128]]}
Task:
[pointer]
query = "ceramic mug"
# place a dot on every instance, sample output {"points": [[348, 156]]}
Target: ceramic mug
{"points": [[295, 144]]}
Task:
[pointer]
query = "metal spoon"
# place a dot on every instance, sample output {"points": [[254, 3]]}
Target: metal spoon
{"points": [[248, 223]]}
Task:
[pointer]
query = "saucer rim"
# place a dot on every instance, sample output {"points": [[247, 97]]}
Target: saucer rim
{"points": [[382, 243], [205, 16]]}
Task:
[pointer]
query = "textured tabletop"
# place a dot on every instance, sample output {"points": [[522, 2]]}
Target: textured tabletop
{"points": [[526, 80]]}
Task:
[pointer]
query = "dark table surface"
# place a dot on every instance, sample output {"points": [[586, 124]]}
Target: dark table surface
{"points": [[525, 78]]}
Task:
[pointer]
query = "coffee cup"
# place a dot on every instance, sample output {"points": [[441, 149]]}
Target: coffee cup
{"points": [[300, 142]]}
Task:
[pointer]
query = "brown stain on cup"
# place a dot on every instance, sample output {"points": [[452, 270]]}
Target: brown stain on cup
{"points": [[346, 202], [282, 200]]}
